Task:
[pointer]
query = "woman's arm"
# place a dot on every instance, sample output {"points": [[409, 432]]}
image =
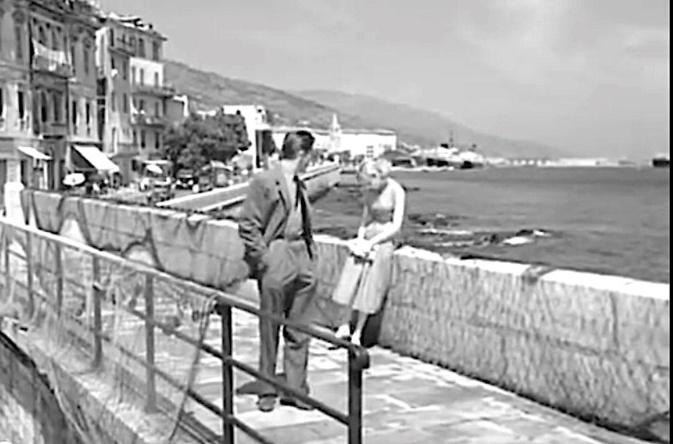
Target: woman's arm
{"points": [[363, 221], [398, 217]]}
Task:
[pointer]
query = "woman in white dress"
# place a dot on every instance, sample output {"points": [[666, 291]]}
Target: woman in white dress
{"points": [[365, 277]]}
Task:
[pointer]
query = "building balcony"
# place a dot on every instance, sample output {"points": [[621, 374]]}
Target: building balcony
{"points": [[23, 124], [154, 90], [126, 149], [51, 61], [44, 65], [20, 125], [122, 46], [51, 129], [141, 119]]}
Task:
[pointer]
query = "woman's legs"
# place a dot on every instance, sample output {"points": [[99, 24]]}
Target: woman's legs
{"points": [[346, 289], [359, 327], [344, 331]]}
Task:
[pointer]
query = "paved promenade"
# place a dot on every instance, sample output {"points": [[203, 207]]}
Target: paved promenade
{"points": [[406, 401]]}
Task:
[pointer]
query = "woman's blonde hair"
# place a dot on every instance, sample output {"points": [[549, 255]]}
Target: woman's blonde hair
{"points": [[375, 167]]}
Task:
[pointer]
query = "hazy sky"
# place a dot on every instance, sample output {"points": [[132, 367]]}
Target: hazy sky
{"points": [[592, 75]]}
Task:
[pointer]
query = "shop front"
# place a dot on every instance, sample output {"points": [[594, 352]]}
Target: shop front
{"points": [[95, 165]]}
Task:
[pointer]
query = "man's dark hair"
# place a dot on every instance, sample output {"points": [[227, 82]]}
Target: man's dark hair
{"points": [[296, 142]]}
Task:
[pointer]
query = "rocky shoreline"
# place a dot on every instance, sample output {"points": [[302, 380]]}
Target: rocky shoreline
{"points": [[338, 215]]}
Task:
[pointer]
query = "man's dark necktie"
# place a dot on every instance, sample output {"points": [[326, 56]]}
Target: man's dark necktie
{"points": [[301, 200]]}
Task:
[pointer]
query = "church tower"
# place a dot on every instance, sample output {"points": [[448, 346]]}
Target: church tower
{"points": [[335, 134]]}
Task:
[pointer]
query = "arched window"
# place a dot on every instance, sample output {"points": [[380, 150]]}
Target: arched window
{"points": [[73, 58], [85, 58], [141, 47], [2, 101], [41, 35], [74, 113], [44, 107], [56, 102], [55, 41], [156, 51], [18, 37]]}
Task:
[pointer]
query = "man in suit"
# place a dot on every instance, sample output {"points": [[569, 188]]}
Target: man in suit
{"points": [[275, 227]]}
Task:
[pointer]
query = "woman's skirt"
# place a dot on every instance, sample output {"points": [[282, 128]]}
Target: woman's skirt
{"points": [[363, 283]]}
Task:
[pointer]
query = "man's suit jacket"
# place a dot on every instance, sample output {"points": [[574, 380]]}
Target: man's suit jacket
{"points": [[264, 216]]}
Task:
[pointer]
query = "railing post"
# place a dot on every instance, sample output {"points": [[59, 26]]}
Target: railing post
{"points": [[227, 374], [8, 269], [5, 286], [58, 271], [29, 275], [358, 360], [149, 344], [97, 315]]}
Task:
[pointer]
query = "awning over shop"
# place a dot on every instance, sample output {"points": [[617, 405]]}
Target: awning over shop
{"points": [[97, 159], [33, 152]]}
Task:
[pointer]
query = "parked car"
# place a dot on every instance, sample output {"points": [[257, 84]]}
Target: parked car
{"points": [[214, 175], [157, 181], [185, 179]]}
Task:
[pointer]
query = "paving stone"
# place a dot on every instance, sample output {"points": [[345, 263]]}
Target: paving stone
{"points": [[409, 436], [428, 395]]}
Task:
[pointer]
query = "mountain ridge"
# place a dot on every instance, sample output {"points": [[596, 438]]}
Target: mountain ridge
{"points": [[316, 107], [408, 118]]}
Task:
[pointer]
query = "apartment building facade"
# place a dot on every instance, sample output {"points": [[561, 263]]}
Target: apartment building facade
{"points": [[113, 58], [139, 105], [150, 94], [16, 132], [48, 85], [79, 88], [83, 144]]}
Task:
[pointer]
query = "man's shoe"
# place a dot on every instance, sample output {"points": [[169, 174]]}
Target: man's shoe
{"points": [[292, 402], [266, 403]]}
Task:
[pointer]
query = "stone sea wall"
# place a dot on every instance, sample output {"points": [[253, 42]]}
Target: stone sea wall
{"points": [[29, 411], [596, 346]]}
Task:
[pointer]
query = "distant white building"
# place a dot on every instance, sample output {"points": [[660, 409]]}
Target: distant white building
{"points": [[177, 109], [365, 143], [322, 137]]}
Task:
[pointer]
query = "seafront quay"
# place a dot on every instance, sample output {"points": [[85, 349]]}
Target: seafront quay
{"points": [[594, 346], [319, 177]]}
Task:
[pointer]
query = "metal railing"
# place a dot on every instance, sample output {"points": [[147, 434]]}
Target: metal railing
{"points": [[159, 90], [224, 304], [140, 118]]}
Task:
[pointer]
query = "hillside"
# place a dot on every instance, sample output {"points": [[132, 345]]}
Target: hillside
{"points": [[208, 90], [407, 120]]}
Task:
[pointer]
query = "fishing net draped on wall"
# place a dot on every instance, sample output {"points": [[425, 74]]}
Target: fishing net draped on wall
{"points": [[135, 370]]}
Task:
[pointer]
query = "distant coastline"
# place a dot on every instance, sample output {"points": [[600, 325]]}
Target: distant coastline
{"points": [[425, 169]]}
